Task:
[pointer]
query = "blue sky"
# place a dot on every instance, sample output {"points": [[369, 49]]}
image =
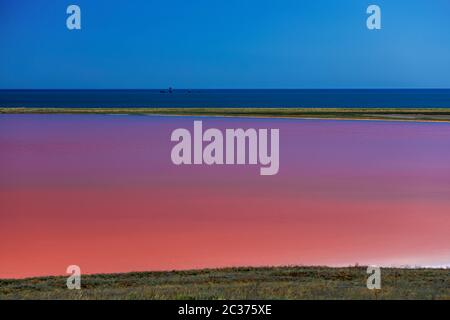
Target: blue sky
{"points": [[224, 44]]}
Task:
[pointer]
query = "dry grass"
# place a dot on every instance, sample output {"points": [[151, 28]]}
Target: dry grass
{"points": [[240, 283]]}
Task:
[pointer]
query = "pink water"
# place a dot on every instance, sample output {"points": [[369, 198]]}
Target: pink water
{"points": [[101, 192]]}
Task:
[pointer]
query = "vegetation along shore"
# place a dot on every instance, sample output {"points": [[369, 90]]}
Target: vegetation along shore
{"points": [[296, 282], [403, 114]]}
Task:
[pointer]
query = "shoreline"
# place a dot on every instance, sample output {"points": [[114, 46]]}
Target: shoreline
{"points": [[438, 115], [230, 268], [293, 117]]}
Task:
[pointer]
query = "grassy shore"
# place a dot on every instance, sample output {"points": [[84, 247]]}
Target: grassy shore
{"points": [[404, 114], [240, 283]]}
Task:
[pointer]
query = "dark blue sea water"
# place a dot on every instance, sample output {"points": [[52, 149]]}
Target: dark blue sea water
{"points": [[226, 98]]}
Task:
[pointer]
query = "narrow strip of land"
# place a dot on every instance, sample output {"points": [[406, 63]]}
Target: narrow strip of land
{"points": [[240, 283], [404, 114]]}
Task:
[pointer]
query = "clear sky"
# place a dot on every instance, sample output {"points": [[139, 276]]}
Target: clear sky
{"points": [[224, 44]]}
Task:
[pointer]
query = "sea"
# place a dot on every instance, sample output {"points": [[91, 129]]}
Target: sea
{"points": [[221, 98]]}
